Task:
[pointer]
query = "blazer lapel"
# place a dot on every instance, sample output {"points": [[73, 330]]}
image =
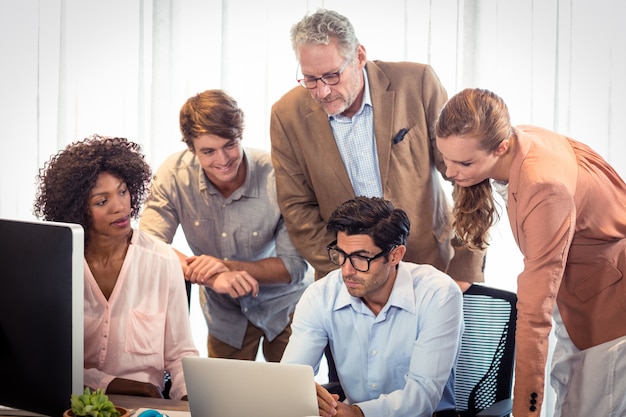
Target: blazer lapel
{"points": [[383, 107], [322, 145], [514, 177]]}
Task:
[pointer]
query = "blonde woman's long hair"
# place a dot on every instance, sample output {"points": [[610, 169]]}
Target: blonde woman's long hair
{"points": [[481, 114]]}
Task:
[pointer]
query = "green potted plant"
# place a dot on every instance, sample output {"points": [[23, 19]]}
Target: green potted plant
{"points": [[94, 404]]}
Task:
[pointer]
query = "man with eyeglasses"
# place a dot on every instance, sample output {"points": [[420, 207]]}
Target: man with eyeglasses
{"points": [[354, 127], [394, 327]]}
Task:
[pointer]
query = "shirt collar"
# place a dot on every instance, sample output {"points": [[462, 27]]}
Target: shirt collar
{"points": [[402, 294]]}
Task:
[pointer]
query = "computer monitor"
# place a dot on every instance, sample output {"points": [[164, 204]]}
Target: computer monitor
{"points": [[41, 315]]}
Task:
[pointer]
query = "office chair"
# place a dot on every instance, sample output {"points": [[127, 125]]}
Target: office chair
{"points": [[484, 372]]}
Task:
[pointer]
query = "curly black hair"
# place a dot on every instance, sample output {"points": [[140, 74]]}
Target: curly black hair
{"points": [[65, 181]]}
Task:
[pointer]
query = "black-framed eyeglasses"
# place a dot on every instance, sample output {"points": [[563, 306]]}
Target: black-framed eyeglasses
{"points": [[359, 262], [332, 78]]}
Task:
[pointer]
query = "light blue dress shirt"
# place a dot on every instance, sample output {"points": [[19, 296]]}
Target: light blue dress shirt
{"points": [[356, 141], [397, 364]]}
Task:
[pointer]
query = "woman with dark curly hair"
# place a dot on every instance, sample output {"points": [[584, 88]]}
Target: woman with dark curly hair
{"points": [[136, 317]]}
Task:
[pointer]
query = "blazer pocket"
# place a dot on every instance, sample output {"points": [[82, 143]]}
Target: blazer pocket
{"points": [[145, 332], [596, 278]]}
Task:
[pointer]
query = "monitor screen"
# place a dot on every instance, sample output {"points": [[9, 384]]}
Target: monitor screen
{"points": [[41, 315]]}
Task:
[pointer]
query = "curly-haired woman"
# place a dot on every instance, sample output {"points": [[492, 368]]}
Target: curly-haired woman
{"points": [[136, 316]]}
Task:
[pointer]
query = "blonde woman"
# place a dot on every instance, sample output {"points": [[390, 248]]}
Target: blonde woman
{"points": [[567, 209]]}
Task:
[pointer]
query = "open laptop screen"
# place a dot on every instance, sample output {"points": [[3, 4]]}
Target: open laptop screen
{"points": [[239, 388]]}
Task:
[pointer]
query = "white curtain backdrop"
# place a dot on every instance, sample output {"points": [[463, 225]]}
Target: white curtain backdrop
{"points": [[71, 68]]}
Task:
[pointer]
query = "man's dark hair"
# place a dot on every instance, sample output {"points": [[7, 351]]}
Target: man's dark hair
{"points": [[372, 216]]}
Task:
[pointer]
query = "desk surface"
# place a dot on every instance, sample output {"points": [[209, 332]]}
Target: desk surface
{"points": [[132, 403], [126, 401]]}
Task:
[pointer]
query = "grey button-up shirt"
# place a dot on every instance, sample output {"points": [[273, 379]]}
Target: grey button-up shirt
{"points": [[246, 226]]}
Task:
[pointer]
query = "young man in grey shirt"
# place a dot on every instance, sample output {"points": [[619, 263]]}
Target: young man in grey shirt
{"points": [[224, 198]]}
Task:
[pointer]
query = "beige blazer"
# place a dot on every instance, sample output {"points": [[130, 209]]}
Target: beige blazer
{"points": [[312, 181], [567, 209]]}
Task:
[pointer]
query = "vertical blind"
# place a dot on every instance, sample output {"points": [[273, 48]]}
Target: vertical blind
{"points": [[71, 68]]}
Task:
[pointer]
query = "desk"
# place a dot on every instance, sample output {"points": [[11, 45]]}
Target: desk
{"points": [[126, 401], [132, 403]]}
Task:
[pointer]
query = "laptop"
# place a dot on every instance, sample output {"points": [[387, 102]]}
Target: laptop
{"points": [[239, 388]]}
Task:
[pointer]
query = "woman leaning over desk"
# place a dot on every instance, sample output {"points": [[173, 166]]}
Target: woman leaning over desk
{"points": [[567, 210], [136, 319]]}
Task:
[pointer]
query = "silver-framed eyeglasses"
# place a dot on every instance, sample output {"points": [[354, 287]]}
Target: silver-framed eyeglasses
{"points": [[359, 262], [332, 78]]}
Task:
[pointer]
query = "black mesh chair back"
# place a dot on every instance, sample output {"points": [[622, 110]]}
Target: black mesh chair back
{"points": [[484, 373]]}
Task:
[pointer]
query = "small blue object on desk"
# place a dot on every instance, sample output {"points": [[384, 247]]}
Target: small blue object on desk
{"points": [[151, 413]]}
